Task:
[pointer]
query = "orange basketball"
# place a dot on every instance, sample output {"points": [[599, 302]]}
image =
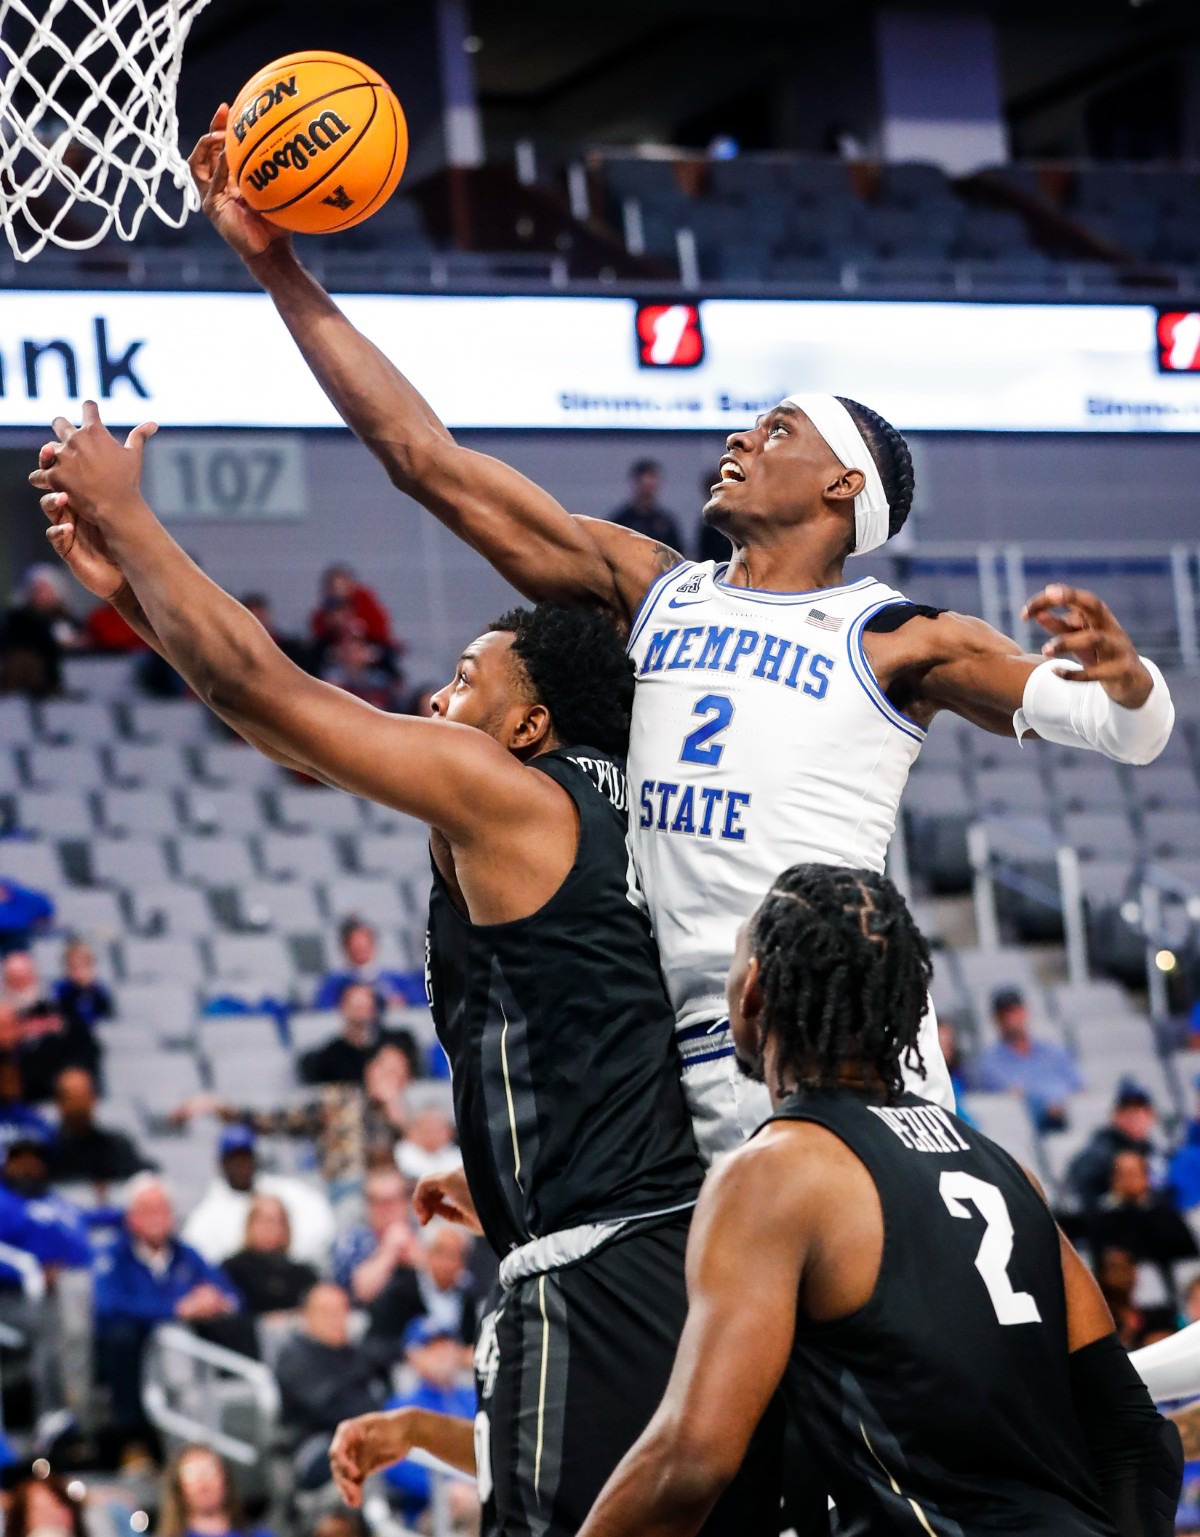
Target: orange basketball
{"points": [[316, 142]]}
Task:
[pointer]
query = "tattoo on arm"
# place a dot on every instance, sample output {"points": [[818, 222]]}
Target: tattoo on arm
{"points": [[1187, 1421], [665, 559]]}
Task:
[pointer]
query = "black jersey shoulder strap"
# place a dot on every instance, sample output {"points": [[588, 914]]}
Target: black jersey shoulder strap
{"points": [[895, 615], [583, 769]]}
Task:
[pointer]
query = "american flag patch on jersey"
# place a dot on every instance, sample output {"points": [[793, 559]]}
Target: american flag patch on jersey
{"points": [[822, 621]]}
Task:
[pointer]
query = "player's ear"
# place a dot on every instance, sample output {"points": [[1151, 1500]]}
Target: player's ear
{"points": [[751, 1000], [846, 486], [532, 729]]}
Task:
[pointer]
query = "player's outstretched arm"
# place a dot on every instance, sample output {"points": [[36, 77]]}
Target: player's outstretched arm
{"points": [[514, 524], [1089, 688], [451, 777], [1135, 1453], [370, 1442], [732, 1354]]}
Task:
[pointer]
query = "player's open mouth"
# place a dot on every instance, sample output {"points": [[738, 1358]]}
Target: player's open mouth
{"points": [[729, 470]]}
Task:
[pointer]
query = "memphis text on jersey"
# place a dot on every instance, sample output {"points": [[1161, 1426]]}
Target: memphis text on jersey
{"points": [[709, 811]]}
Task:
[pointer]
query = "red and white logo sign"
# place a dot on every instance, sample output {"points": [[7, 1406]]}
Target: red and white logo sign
{"points": [[1179, 341], [669, 336]]}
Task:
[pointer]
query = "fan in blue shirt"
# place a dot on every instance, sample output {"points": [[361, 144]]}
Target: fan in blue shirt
{"points": [[435, 1355], [1045, 1074]]}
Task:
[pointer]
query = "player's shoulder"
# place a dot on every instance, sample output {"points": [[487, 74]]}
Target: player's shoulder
{"points": [[783, 1168]]}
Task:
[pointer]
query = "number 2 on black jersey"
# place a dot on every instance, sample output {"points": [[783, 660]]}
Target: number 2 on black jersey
{"points": [[995, 1252]]}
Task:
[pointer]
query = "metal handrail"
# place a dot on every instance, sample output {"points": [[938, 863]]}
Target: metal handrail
{"points": [[987, 873], [173, 1339]]}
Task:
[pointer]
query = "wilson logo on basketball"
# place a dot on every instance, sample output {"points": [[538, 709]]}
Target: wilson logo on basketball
{"points": [[263, 102], [1179, 341], [322, 133], [669, 336]]}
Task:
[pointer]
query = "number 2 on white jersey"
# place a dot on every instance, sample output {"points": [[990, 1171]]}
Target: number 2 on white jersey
{"points": [[698, 746], [995, 1252]]}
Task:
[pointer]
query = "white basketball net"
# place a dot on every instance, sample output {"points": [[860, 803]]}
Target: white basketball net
{"points": [[88, 130]]}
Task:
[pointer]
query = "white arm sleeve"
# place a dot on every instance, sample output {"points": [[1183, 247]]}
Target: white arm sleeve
{"points": [[1170, 1368], [1083, 715]]}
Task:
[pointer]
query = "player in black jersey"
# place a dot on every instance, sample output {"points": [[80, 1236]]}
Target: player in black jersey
{"points": [[545, 983], [946, 1352]]}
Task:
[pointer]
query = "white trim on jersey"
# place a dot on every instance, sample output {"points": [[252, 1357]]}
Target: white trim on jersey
{"points": [[764, 595], [653, 593], [862, 670]]}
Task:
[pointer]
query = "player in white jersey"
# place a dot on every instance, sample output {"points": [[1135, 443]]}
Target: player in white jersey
{"points": [[790, 738]]}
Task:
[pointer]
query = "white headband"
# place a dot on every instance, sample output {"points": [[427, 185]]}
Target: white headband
{"points": [[835, 424]]}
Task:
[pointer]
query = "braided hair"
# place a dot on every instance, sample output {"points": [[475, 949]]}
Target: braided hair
{"points": [[844, 973], [892, 459]]}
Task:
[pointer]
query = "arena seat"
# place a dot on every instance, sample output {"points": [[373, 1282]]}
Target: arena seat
{"points": [[1100, 835], [168, 1007], [1005, 1118], [178, 910], [16, 719], [31, 864], [93, 914], [319, 809], [145, 763], [56, 813], [128, 862], [232, 763], [161, 960], [214, 861], [307, 856], [185, 722], [146, 811], [374, 898], [290, 907], [62, 766], [231, 809], [261, 959], [308, 1028], [65, 720], [1092, 786]]}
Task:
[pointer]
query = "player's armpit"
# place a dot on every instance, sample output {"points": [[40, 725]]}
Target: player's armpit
{"points": [[746, 1254]]}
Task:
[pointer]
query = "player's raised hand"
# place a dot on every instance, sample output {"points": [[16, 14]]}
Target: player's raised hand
{"points": [[79, 545], [1084, 628], [247, 232], [446, 1196], [89, 472], [363, 1445]]}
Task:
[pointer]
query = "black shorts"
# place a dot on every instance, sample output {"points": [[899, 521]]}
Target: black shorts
{"points": [[569, 1375]]}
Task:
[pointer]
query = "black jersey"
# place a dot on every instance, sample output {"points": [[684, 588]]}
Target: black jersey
{"points": [[943, 1406], [560, 1037]]}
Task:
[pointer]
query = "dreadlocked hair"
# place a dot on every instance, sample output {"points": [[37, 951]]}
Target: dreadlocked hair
{"points": [[892, 459], [844, 973], [578, 668]]}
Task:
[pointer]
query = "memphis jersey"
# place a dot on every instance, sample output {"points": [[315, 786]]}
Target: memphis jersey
{"points": [[760, 740]]}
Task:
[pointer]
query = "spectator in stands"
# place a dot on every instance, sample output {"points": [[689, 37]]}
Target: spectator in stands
{"points": [[341, 1523], [1191, 1301], [434, 1357], [1129, 1130], [1044, 1074], [39, 1024], [344, 1057], [199, 1499], [83, 1150], [16, 1117], [32, 1218], [955, 1064], [83, 1002], [324, 1378], [366, 670], [22, 912], [146, 1278], [41, 1504], [438, 1287], [1141, 1221], [359, 943], [217, 1226], [269, 1280], [292, 646], [1183, 1173], [366, 1255], [355, 1128], [349, 607], [107, 631], [643, 512], [1116, 1274], [429, 1146], [34, 633]]}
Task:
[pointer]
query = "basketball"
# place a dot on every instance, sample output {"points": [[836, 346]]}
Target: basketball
{"points": [[316, 142]]}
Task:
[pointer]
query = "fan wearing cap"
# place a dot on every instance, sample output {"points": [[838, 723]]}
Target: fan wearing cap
{"points": [[781, 703], [434, 1354], [217, 1227]]}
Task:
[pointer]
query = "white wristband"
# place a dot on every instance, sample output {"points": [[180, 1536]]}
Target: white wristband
{"points": [[1083, 715]]}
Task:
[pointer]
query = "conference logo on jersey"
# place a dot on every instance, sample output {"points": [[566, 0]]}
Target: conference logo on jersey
{"points": [[669, 336], [1179, 341]]}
